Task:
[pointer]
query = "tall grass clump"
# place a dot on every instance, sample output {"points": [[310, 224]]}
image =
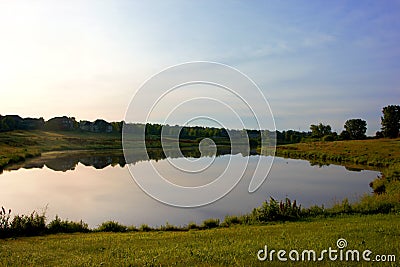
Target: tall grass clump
{"points": [[4, 222], [277, 211]]}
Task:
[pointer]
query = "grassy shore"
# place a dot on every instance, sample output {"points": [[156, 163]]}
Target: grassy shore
{"points": [[375, 153], [233, 246]]}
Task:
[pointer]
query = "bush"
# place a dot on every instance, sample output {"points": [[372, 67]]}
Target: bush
{"points": [[248, 219], [60, 226], [145, 228], [341, 207], [386, 202], [378, 185], [28, 225], [111, 226], [314, 211], [274, 211], [170, 227], [132, 228], [328, 138], [192, 226], [210, 223], [231, 220]]}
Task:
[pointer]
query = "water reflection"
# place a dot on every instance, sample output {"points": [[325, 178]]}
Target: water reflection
{"points": [[101, 188], [68, 160], [96, 195]]}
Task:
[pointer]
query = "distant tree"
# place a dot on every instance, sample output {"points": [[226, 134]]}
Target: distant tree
{"points": [[344, 135], [320, 130], [356, 128], [378, 134], [117, 126], [3, 125], [391, 121]]}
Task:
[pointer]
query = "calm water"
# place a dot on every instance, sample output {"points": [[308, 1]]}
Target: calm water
{"points": [[96, 188]]}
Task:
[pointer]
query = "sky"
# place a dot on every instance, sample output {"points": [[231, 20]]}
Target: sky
{"points": [[314, 61]]}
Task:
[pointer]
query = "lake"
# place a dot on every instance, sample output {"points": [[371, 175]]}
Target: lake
{"points": [[97, 186]]}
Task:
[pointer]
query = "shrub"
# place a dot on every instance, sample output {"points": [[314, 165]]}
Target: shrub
{"points": [[28, 225], [60, 226], [328, 138], [248, 219], [111, 226], [210, 223], [145, 228], [314, 211], [274, 211], [378, 185], [192, 226], [341, 207], [231, 220], [132, 228], [170, 227]]}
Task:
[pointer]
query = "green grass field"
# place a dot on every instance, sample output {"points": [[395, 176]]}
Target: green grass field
{"points": [[234, 246]]}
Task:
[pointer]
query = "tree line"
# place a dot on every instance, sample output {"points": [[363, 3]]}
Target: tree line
{"points": [[354, 129], [15, 122]]}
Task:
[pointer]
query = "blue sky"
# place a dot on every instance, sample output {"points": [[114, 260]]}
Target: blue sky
{"points": [[315, 61]]}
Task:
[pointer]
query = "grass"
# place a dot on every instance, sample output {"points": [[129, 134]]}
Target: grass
{"points": [[234, 246], [373, 153]]}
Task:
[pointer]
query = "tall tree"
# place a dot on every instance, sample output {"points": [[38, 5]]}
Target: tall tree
{"points": [[320, 130], [356, 128], [391, 121]]}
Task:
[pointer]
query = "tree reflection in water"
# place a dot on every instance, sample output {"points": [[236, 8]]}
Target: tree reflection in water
{"points": [[68, 160]]}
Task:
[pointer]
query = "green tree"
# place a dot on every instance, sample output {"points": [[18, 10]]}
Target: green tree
{"points": [[320, 130], [390, 121], [344, 135], [356, 128]]}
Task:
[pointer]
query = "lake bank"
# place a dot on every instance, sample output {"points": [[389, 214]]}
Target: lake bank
{"points": [[369, 153]]}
